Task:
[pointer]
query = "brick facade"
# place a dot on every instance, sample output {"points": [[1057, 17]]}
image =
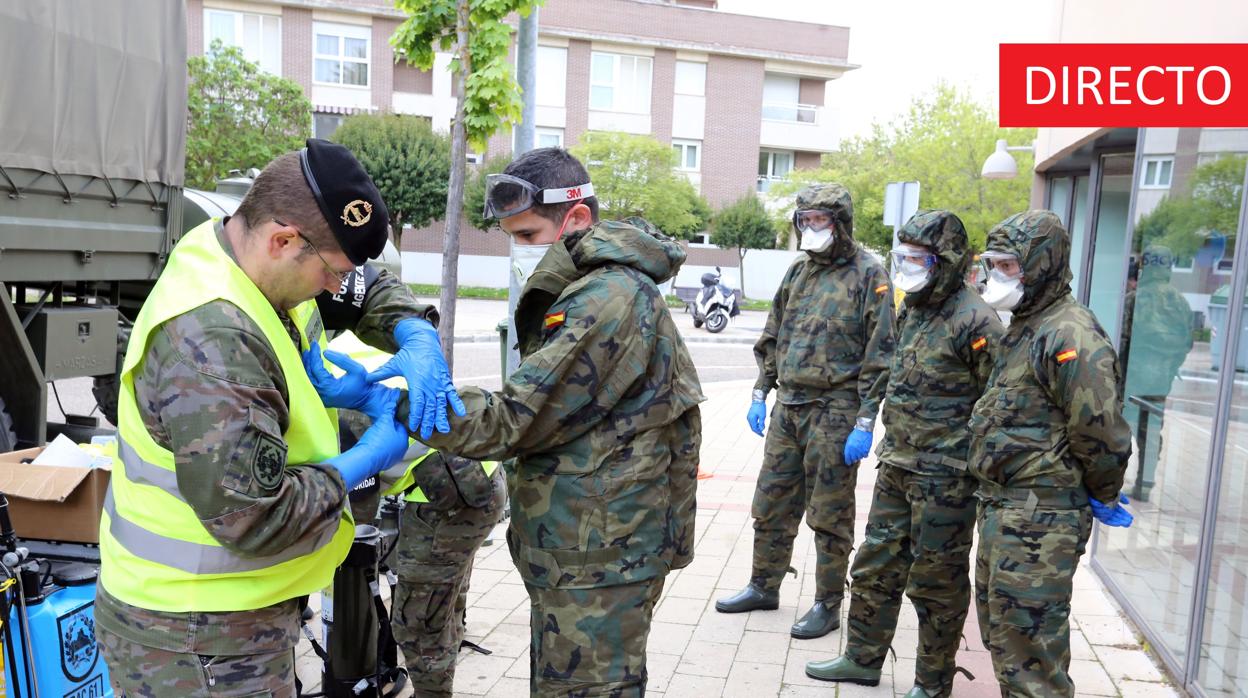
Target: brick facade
{"points": [[381, 72], [733, 128], [195, 27], [662, 94], [409, 78], [806, 160], [297, 47], [810, 91], [577, 90], [471, 240]]}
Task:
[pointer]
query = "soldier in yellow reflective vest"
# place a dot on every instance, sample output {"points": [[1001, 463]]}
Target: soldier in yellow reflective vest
{"points": [[451, 505], [226, 505]]}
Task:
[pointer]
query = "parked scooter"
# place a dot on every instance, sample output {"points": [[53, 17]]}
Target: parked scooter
{"points": [[715, 304]]}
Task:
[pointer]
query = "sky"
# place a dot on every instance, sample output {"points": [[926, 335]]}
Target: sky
{"points": [[906, 46]]}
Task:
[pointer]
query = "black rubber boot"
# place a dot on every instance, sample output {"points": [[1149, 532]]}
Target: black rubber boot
{"points": [[749, 599], [818, 621]]}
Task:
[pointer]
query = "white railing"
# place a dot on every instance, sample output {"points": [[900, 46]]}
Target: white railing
{"points": [[765, 182], [791, 112]]}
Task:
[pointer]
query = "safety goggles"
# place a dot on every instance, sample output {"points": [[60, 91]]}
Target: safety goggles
{"points": [[1003, 263], [817, 219], [913, 254], [506, 195]]}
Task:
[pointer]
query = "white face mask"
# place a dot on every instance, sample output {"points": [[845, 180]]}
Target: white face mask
{"points": [[911, 277], [525, 259], [1002, 292], [816, 240]]}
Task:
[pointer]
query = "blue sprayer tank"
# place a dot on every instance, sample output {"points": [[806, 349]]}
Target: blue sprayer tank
{"points": [[61, 622]]}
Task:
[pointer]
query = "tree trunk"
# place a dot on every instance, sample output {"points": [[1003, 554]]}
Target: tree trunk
{"points": [[455, 192]]}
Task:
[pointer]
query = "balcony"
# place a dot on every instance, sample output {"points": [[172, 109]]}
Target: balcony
{"points": [[765, 182], [796, 126]]}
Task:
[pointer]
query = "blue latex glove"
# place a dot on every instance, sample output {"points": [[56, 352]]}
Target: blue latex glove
{"points": [[757, 417], [348, 391], [1112, 515], [429, 388], [380, 447], [857, 446]]}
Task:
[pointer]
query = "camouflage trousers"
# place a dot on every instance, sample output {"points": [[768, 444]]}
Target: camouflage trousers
{"points": [[590, 643], [434, 563], [804, 471], [136, 670], [1023, 575], [918, 540]]}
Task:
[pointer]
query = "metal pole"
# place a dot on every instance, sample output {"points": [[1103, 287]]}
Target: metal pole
{"points": [[526, 140], [526, 75]]}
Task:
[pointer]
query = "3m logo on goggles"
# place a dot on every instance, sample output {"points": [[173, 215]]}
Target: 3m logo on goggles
{"points": [[507, 195]]}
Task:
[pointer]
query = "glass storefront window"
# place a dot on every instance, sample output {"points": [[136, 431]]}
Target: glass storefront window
{"points": [[1176, 332]]}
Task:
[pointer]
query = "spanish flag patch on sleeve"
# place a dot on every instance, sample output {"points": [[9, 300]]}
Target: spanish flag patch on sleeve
{"points": [[881, 288], [554, 320], [1066, 355], [979, 343]]}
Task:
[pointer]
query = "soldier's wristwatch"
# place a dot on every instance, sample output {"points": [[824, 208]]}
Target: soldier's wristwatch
{"points": [[864, 424], [759, 395]]}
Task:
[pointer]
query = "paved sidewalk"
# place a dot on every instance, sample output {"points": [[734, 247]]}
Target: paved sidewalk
{"points": [[695, 652]]}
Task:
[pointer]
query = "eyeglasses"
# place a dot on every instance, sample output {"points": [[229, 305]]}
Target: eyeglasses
{"points": [[340, 275]]}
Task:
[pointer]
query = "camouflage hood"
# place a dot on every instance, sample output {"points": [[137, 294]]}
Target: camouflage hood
{"points": [[834, 198], [1042, 246], [1156, 265], [943, 233], [632, 242]]}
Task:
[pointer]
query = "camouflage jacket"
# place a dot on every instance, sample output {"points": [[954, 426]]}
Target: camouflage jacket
{"points": [[946, 336], [1051, 415], [829, 337], [602, 414], [208, 387]]}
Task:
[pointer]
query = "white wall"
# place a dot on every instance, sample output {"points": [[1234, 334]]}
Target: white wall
{"points": [[474, 270], [764, 270]]}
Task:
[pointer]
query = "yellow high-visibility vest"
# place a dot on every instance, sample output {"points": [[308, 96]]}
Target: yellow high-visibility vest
{"points": [[154, 552]]}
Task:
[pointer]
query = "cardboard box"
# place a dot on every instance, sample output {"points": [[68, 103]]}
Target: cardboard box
{"points": [[50, 502]]}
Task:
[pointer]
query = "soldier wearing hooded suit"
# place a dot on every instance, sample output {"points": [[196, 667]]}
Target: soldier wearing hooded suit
{"points": [[922, 516], [1049, 447], [825, 349]]}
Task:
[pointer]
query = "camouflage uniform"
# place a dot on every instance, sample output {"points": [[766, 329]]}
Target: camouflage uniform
{"points": [[826, 346], [1161, 319], [433, 559], [208, 388], [1047, 434], [603, 416], [922, 516]]}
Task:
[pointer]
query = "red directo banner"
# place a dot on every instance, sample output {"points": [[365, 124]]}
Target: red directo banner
{"points": [[1124, 85]]}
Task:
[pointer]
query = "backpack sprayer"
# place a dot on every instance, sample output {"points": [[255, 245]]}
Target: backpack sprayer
{"points": [[47, 621]]}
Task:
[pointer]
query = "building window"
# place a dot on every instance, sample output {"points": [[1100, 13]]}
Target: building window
{"points": [[552, 76], [548, 137], [701, 239], [690, 78], [259, 36], [1157, 172], [773, 166], [324, 125], [688, 155], [619, 83], [341, 54], [782, 100]]}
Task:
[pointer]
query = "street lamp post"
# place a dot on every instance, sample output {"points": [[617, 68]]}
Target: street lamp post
{"points": [[1001, 165]]}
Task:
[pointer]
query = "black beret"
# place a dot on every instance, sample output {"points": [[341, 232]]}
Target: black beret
{"points": [[348, 199]]}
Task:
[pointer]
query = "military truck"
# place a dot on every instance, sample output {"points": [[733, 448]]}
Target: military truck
{"points": [[93, 126]]}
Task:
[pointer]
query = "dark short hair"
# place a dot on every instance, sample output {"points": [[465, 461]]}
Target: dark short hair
{"points": [[281, 192], [553, 168]]}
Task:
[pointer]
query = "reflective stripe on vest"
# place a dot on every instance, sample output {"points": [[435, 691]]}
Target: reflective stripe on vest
{"points": [[154, 551]]}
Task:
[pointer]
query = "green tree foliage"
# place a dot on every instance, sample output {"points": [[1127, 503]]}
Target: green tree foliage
{"points": [[474, 190], [1209, 205], [488, 97], [633, 176], [942, 143], [746, 225], [408, 161], [492, 96], [238, 116]]}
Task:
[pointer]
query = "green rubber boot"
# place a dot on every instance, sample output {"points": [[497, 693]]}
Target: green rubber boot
{"points": [[918, 692], [843, 669]]}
